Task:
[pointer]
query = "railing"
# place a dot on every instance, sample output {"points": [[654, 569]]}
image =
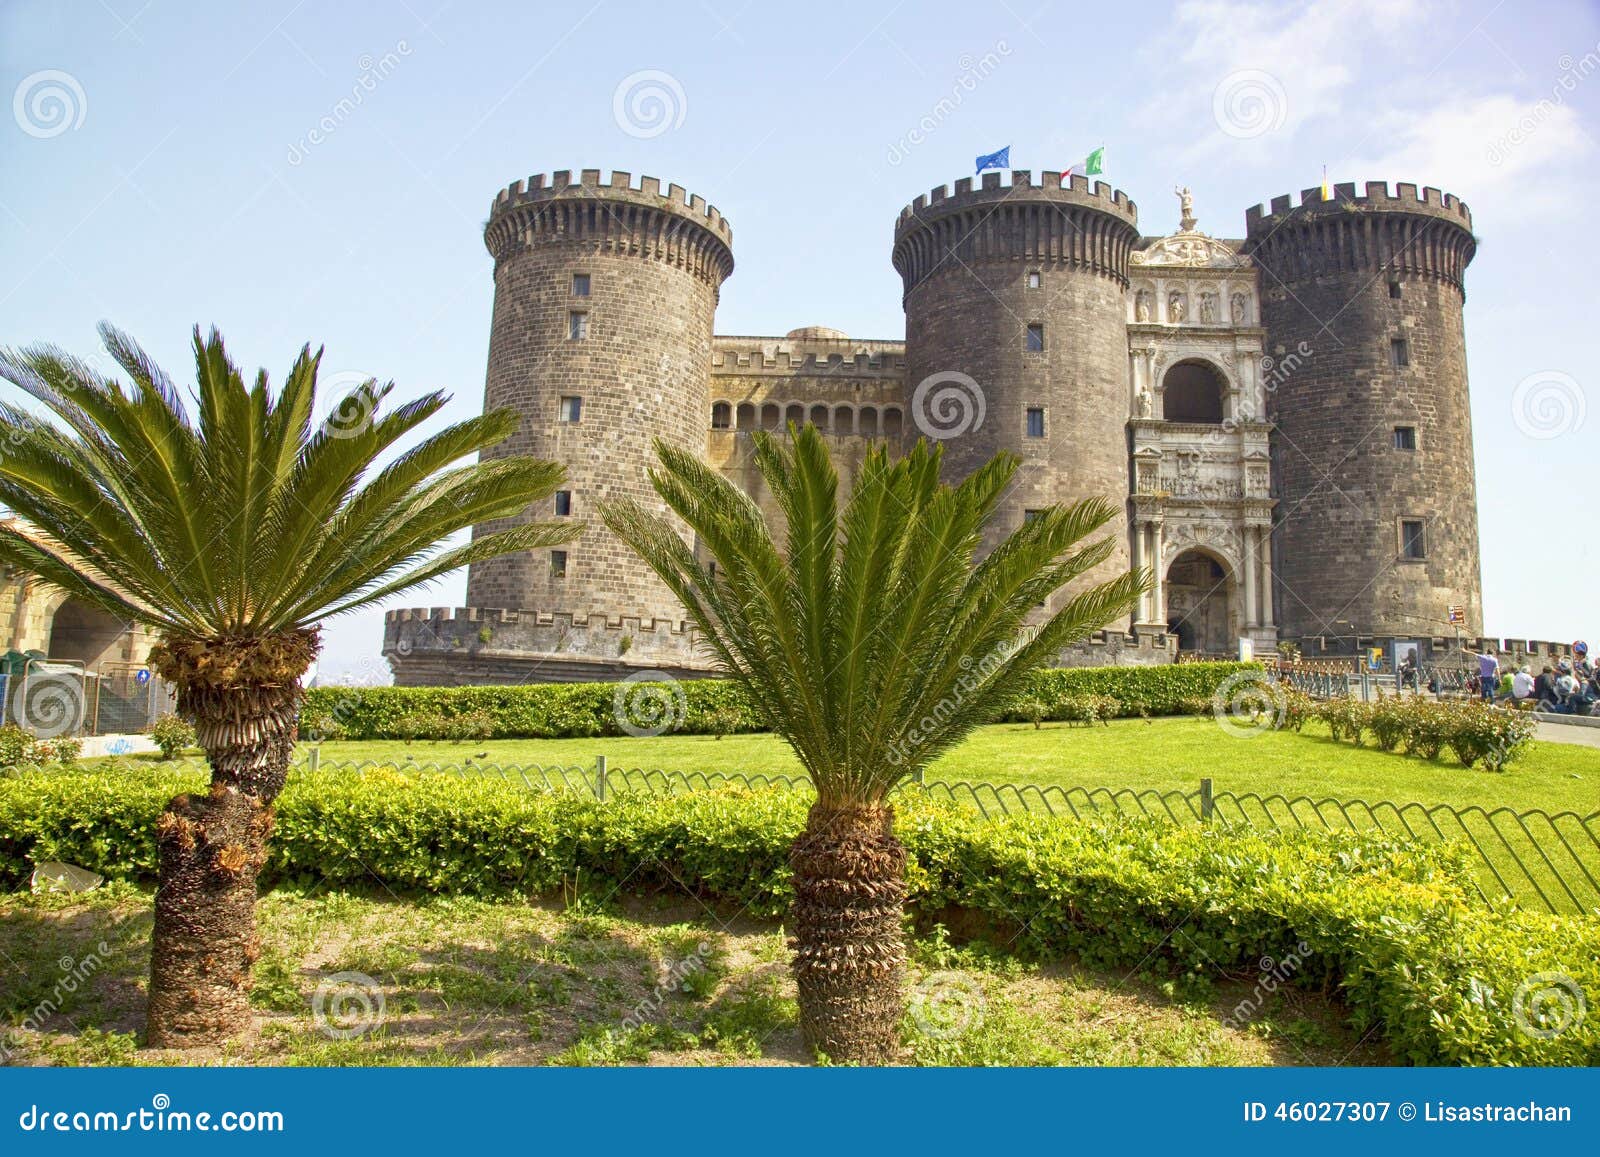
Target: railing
{"points": [[1527, 859], [55, 697]]}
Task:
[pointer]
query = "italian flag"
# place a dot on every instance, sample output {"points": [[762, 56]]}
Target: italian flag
{"points": [[1090, 166]]}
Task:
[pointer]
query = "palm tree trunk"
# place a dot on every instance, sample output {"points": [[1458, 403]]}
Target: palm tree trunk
{"points": [[848, 939], [212, 848]]}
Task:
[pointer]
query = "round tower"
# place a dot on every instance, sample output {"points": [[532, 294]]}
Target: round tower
{"points": [[1016, 336], [604, 299], [1362, 300]]}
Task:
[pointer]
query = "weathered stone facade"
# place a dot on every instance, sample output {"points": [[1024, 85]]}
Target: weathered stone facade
{"points": [[1165, 373]]}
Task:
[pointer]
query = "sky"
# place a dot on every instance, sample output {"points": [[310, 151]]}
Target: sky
{"points": [[294, 172]]}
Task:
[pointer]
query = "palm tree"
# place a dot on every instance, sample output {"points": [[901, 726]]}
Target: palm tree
{"points": [[873, 641], [234, 535]]}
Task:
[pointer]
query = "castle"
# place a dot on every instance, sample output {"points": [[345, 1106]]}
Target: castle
{"points": [[1284, 415]]}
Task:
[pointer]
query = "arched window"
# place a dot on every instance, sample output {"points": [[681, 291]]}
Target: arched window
{"points": [[796, 413], [891, 422], [819, 417], [844, 420], [721, 415], [1193, 391], [867, 421], [771, 416], [747, 416]]}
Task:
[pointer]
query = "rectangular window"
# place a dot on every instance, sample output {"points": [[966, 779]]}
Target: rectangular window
{"points": [[1035, 341], [1033, 279], [577, 325], [1399, 353], [1030, 515], [563, 503], [558, 564], [580, 285], [1405, 437], [1394, 289], [571, 408], [1412, 545], [1035, 422]]}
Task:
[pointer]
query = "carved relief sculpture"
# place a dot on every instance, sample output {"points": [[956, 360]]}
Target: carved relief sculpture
{"points": [[1141, 305], [1176, 307], [1208, 308], [1241, 309]]}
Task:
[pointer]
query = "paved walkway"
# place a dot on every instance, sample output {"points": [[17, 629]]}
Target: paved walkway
{"points": [[1568, 733]]}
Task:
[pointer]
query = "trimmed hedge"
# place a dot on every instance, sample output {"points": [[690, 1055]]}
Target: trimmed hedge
{"points": [[1388, 922], [706, 706]]}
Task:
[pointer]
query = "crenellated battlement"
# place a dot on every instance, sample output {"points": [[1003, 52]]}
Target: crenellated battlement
{"points": [[992, 189], [445, 617], [615, 217], [591, 182], [1407, 198], [865, 363]]}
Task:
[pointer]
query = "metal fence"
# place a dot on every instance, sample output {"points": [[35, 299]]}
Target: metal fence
{"points": [[55, 697], [1528, 859]]}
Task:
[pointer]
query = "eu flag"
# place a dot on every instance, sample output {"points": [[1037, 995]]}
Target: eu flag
{"points": [[1000, 160]]}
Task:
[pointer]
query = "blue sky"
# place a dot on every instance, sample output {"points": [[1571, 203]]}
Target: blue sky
{"points": [[159, 169]]}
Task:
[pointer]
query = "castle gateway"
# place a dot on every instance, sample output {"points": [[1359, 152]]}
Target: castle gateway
{"points": [[1284, 415]]}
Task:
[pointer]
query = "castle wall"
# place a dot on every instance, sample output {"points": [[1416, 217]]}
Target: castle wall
{"points": [[968, 262], [1342, 280]]}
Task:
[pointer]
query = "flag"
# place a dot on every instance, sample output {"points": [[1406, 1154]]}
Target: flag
{"points": [[1091, 166], [1000, 160], [1327, 189]]}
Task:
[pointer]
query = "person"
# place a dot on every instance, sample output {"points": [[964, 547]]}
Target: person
{"points": [[1488, 673], [1521, 685], [1408, 671], [1544, 689], [1567, 687]]}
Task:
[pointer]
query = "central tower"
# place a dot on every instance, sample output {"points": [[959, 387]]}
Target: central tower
{"points": [[1016, 336]]}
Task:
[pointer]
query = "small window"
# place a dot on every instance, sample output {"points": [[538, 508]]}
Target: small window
{"points": [[1394, 289], [563, 503], [558, 564], [571, 408], [1035, 342], [1412, 544], [1405, 437], [577, 325], [721, 416], [1030, 515], [580, 285], [1035, 422], [1399, 353], [1033, 279]]}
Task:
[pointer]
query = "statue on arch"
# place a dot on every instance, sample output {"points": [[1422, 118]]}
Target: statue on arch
{"points": [[1241, 309], [1141, 305], [1186, 219], [1208, 308], [1177, 307]]}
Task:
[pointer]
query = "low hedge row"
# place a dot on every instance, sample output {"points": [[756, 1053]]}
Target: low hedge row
{"points": [[1388, 922], [693, 706], [1474, 731]]}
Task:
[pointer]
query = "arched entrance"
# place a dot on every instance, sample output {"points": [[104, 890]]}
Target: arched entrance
{"points": [[1199, 591], [1193, 391], [85, 634]]}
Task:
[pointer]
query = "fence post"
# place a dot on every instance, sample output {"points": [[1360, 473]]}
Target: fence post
{"points": [[1207, 805], [314, 760], [600, 777], [917, 776]]}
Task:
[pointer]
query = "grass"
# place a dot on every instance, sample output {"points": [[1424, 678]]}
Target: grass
{"points": [[1165, 754], [355, 980]]}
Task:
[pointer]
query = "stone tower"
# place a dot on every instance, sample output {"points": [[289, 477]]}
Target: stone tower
{"points": [[1377, 529], [1015, 314], [601, 338]]}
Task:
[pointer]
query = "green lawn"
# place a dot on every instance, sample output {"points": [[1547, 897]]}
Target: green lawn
{"points": [[1164, 754], [346, 979]]}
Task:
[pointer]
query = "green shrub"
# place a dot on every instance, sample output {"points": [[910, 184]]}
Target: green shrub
{"points": [[586, 710], [1087, 709], [1346, 717], [1386, 923], [173, 735], [1389, 720], [16, 746], [19, 748], [1488, 734]]}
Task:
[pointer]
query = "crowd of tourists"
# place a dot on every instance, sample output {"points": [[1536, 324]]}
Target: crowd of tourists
{"points": [[1568, 687]]}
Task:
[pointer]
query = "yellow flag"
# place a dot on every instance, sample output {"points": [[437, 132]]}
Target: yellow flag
{"points": [[1327, 189]]}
